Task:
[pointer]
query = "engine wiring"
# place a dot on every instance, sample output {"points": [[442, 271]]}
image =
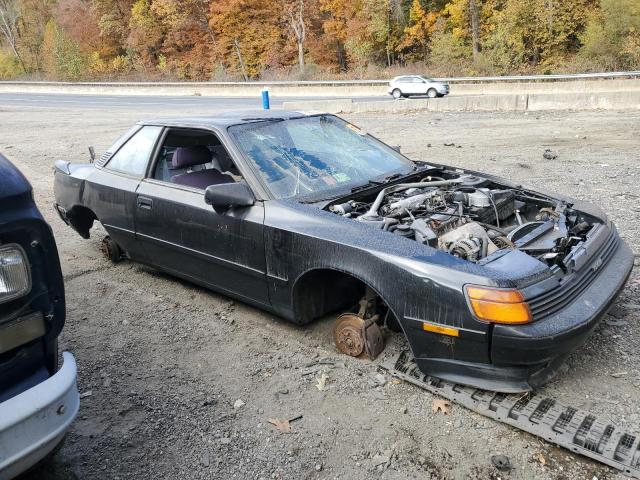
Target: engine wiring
{"points": [[468, 217]]}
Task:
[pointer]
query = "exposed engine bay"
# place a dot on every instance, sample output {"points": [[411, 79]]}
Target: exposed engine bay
{"points": [[471, 217]]}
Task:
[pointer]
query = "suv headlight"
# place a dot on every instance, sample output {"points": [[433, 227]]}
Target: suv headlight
{"points": [[15, 277]]}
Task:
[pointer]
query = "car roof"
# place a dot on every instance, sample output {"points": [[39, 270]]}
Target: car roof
{"points": [[226, 118], [407, 76]]}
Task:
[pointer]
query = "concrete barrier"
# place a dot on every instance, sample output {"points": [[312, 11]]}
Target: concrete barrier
{"points": [[571, 86], [585, 101], [489, 103]]}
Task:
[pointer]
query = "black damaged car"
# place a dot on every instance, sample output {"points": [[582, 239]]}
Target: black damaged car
{"points": [[493, 284]]}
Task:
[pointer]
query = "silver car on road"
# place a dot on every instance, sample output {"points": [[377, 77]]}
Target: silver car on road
{"points": [[408, 85]]}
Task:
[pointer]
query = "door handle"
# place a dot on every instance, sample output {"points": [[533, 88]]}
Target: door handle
{"points": [[145, 202]]}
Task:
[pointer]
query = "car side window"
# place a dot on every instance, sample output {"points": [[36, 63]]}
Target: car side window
{"points": [[134, 155], [194, 158]]}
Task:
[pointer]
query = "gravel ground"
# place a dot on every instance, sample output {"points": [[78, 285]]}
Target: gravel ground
{"points": [[180, 382]]}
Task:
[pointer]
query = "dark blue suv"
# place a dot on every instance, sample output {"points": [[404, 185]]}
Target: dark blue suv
{"points": [[38, 397]]}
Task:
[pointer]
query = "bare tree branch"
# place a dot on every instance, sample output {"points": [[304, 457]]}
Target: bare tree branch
{"points": [[475, 28], [295, 15], [9, 16]]}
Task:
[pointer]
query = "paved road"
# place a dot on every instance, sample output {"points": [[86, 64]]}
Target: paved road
{"points": [[149, 102]]}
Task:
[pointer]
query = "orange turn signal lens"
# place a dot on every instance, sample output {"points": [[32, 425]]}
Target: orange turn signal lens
{"points": [[498, 305]]}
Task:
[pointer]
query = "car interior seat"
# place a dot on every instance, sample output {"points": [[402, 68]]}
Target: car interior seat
{"points": [[197, 155]]}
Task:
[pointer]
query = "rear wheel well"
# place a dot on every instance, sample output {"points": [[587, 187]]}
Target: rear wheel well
{"points": [[323, 291], [81, 219]]}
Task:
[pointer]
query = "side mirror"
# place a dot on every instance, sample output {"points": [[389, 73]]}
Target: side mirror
{"points": [[92, 155], [396, 148], [226, 195]]}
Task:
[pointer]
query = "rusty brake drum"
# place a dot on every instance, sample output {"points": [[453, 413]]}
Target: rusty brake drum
{"points": [[358, 337]]}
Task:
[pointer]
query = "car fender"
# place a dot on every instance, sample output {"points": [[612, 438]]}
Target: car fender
{"points": [[409, 277], [69, 185]]}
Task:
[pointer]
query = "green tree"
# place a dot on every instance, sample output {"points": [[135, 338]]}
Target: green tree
{"points": [[537, 34], [449, 54], [612, 36], [61, 54]]}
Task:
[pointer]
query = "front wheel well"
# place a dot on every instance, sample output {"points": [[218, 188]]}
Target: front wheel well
{"points": [[81, 219], [319, 292]]}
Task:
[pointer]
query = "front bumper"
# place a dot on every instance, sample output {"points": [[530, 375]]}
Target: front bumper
{"points": [[542, 341], [525, 357], [35, 421]]}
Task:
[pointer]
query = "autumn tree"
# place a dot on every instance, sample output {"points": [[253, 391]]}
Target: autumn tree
{"points": [[248, 33], [146, 34], [61, 54], [33, 19], [9, 16], [474, 20], [190, 46], [296, 21], [418, 33], [205, 39], [78, 20], [338, 14], [113, 21]]}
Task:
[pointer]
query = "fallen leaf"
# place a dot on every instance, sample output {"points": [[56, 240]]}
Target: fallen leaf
{"points": [[396, 381], [321, 382], [283, 425], [441, 405], [540, 458]]}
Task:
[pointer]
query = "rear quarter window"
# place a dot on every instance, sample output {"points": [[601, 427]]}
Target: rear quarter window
{"points": [[134, 155]]}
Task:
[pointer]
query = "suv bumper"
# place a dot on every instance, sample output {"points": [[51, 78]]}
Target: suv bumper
{"points": [[35, 421]]}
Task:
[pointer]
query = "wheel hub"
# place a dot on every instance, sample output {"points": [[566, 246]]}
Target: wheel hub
{"points": [[106, 248], [348, 334], [357, 337]]}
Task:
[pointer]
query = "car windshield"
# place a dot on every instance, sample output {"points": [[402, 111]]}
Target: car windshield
{"points": [[314, 155]]}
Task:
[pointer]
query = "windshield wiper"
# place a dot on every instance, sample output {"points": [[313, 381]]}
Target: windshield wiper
{"points": [[370, 183], [392, 177], [263, 119], [419, 164]]}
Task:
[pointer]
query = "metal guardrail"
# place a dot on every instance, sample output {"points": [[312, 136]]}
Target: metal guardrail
{"points": [[261, 83], [568, 76]]}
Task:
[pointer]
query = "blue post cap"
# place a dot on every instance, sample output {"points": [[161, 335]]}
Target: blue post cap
{"points": [[265, 98]]}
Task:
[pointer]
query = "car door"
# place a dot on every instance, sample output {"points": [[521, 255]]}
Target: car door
{"points": [[408, 86], [405, 85], [111, 190], [420, 86], [186, 237]]}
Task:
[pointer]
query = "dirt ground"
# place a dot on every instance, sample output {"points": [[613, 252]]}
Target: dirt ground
{"points": [[179, 382]]}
